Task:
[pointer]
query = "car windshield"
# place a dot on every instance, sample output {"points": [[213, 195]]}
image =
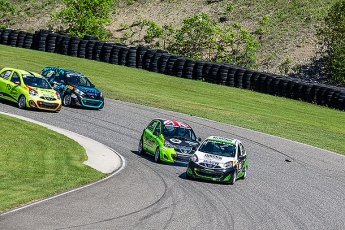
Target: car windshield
{"points": [[218, 148], [177, 131], [78, 79], [34, 81]]}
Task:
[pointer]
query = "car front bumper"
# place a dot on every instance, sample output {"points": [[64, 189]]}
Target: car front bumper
{"points": [[87, 102], [43, 104], [195, 170]]}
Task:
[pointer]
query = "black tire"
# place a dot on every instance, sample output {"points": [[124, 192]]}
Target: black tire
{"points": [[102, 106], [141, 150], [233, 178], [188, 177], [67, 100], [157, 156], [244, 173], [22, 102]]}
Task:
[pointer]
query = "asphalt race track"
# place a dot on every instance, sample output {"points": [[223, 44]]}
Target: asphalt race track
{"points": [[288, 185]]}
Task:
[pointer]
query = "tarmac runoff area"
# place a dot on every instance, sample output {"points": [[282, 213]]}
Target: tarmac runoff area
{"points": [[100, 157]]}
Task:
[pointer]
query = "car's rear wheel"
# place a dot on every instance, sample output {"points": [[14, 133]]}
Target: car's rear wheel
{"points": [[67, 100], [141, 150], [22, 102], [157, 156], [233, 178]]}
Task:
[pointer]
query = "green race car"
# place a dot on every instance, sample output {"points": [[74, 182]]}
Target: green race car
{"points": [[28, 89], [168, 140], [220, 159]]}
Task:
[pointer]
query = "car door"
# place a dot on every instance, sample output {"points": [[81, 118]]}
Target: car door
{"points": [[156, 137], [13, 86], [241, 156], [148, 139]]}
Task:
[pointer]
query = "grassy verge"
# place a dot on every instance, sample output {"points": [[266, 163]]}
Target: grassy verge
{"points": [[295, 120], [36, 162]]}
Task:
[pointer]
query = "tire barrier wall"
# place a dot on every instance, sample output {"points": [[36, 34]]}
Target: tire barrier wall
{"points": [[161, 61]]}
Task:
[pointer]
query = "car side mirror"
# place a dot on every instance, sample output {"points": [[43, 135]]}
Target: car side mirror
{"points": [[199, 139], [242, 157]]}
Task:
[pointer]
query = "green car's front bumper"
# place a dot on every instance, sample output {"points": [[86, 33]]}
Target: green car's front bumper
{"points": [[167, 154]]}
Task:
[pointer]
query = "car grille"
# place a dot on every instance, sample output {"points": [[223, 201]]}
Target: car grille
{"points": [[211, 166], [93, 96], [46, 105], [48, 98], [183, 149], [207, 173]]}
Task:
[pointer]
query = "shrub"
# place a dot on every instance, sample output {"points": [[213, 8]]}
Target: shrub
{"points": [[332, 39], [84, 17]]}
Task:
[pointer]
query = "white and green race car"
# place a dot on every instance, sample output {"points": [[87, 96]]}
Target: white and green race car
{"points": [[219, 159]]}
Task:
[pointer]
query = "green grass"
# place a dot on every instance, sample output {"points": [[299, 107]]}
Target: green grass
{"points": [[36, 162], [295, 120], [291, 119]]}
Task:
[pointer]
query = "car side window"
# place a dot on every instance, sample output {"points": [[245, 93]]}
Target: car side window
{"points": [[15, 78], [157, 129], [6, 74], [50, 75], [59, 77], [152, 125], [241, 151]]}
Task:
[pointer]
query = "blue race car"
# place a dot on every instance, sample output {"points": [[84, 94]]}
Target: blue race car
{"points": [[74, 87]]}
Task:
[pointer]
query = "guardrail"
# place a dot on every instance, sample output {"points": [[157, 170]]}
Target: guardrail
{"points": [[163, 62]]}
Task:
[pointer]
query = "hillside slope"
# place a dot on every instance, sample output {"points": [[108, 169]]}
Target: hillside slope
{"points": [[290, 40]]}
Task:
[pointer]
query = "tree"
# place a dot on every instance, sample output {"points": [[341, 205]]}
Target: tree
{"points": [[84, 17], [332, 38], [7, 11], [203, 38]]}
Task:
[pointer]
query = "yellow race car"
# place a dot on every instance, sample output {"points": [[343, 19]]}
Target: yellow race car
{"points": [[28, 89]]}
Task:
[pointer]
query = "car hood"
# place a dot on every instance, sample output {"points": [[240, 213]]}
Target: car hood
{"points": [[202, 156], [183, 146], [45, 92], [182, 141], [89, 91]]}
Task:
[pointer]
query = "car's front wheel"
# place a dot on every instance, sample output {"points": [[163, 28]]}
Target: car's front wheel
{"points": [[67, 100], [233, 178], [22, 102], [244, 173], [157, 156], [188, 177], [141, 150]]}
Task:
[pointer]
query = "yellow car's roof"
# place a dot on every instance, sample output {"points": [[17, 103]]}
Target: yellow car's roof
{"points": [[23, 72]]}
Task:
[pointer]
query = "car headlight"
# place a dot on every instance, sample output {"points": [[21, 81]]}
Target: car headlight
{"points": [[79, 92], [33, 92], [168, 144], [194, 158], [101, 94], [229, 164], [58, 95]]}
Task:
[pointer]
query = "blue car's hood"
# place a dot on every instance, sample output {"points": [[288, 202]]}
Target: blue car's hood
{"points": [[89, 91]]}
